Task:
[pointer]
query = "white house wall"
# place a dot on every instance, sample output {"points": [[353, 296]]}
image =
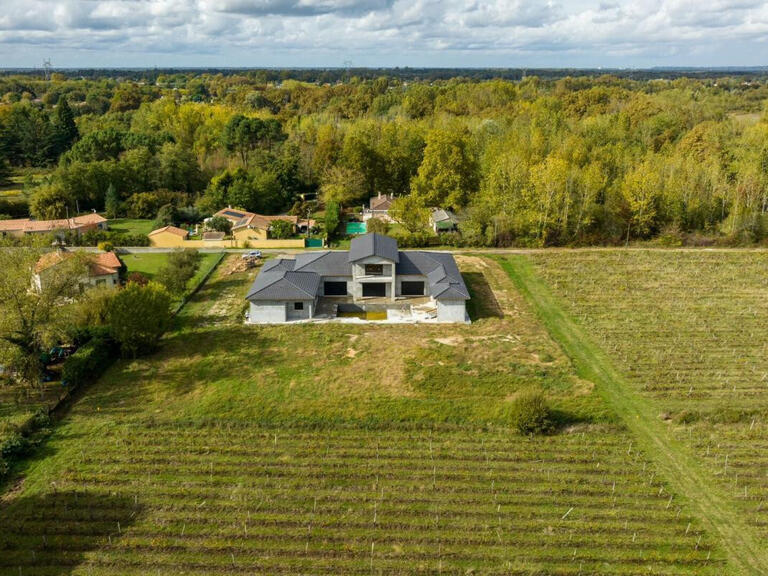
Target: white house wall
{"points": [[451, 311], [359, 277], [304, 314], [267, 312]]}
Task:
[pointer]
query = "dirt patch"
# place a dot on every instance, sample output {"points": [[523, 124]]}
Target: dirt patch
{"points": [[235, 265], [450, 340]]}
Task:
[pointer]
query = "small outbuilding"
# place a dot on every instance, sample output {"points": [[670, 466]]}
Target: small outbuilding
{"points": [[168, 237]]}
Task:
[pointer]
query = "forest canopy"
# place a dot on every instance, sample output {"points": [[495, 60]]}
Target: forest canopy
{"points": [[526, 161]]}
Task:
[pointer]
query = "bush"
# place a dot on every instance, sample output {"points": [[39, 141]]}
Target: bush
{"points": [[181, 268], [138, 316], [220, 224], [531, 414], [14, 446], [413, 239], [377, 226], [281, 229], [88, 363], [137, 278], [106, 246], [332, 219], [129, 239]]}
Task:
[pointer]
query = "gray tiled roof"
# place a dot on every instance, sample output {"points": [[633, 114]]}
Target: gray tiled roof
{"points": [[373, 245], [289, 279], [324, 263], [281, 284], [278, 264]]}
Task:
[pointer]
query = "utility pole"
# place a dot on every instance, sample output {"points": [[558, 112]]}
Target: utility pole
{"points": [[47, 69]]}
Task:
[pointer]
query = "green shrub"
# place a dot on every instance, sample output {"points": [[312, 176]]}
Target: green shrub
{"points": [[14, 446], [377, 226], [119, 239], [138, 316], [413, 239], [281, 229], [106, 246], [531, 414], [89, 362]]}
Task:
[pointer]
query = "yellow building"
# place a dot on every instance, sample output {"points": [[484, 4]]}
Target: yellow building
{"points": [[250, 227], [168, 237]]}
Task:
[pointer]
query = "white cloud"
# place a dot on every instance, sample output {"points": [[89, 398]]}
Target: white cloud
{"points": [[384, 32]]}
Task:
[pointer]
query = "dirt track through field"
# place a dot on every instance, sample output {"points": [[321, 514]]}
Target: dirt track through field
{"points": [[640, 414]]}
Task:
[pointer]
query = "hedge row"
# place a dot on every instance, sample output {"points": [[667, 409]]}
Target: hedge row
{"points": [[89, 362], [83, 367]]}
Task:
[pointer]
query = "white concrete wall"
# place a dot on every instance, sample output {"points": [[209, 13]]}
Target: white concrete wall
{"points": [[304, 314], [267, 312], [359, 277], [451, 311], [105, 281]]}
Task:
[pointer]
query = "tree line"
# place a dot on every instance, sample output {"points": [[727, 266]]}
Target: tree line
{"points": [[534, 161]]}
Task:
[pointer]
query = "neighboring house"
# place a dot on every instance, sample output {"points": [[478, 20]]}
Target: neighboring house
{"points": [[443, 221], [103, 269], [249, 226], [167, 236], [372, 270], [213, 236], [378, 207], [78, 224]]}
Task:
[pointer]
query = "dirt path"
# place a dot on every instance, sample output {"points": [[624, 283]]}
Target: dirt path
{"points": [[680, 468]]}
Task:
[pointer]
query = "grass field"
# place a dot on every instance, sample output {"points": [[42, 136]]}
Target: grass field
{"points": [[689, 332], [131, 226], [355, 449], [150, 264], [18, 403], [13, 187]]}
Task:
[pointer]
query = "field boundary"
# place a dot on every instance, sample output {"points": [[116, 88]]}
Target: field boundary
{"points": [[683, 473], [199, 285]]}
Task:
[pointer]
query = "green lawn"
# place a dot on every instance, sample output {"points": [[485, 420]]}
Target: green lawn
{"points": [[355, 449], [150, 264], [652, 303], [131, 226]]}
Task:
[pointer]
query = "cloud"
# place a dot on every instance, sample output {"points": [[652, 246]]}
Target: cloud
{"points": [[384, 32], [347, 8]]}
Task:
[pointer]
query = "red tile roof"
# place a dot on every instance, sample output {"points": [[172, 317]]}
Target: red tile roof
{"points": [[171, 229], [28, 226], [102, 264]]}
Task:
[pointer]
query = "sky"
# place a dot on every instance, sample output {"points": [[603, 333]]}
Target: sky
{"points": [[383, 33]]}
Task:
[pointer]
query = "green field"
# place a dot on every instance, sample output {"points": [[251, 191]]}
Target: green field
{"points": [[131, 226], [688, 330], [355, 449], [149, 264], [18, 403]]}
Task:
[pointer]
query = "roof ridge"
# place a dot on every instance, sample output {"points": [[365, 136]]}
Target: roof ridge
{"points": [[318, 256], [279, 275], [285, 276]]}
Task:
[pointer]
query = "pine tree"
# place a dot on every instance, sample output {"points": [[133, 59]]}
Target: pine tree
{"points": [[112, 202], [65, 129]]}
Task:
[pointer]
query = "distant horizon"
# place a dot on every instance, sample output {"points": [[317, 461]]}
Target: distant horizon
{"points": [[537, 34], [737, 67]]}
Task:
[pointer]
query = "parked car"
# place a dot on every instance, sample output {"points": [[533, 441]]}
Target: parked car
{"points": [[57, 354], [252, 254]]}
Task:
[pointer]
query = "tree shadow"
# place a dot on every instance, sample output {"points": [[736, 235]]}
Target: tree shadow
{"points": [[482, 302], [186, 361], [52, 533]]}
